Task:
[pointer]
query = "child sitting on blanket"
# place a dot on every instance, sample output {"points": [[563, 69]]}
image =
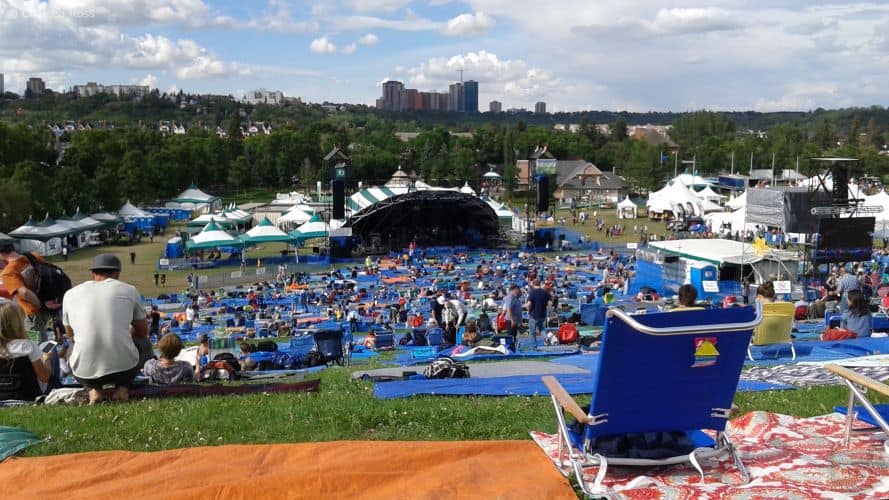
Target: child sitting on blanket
{"points": [[167, 370]]}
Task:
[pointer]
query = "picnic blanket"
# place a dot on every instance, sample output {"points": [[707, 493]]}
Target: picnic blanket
{"points": [[485, 370], [787, 457], [14, 440], [801, 375], [341, 469]]}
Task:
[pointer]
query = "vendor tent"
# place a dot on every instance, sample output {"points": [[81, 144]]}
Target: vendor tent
{"points": [[293, 217], [265, 232], [212, 236], [709, 194], [46, 238], [626, 209], [128, 210], [202, 220], [5, 237], [106, 218], [314, 228], [737, 202], [689, 180], [466, 189], [195, 199], [675, 198]]}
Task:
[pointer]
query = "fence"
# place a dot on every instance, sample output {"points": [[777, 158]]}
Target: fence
{"points": [[234, 277]]}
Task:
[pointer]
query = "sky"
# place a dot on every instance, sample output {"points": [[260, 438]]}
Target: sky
{"points": [[778, 55]]}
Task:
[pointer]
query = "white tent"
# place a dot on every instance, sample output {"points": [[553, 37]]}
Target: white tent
{"points": [[675, 198], [265, 232], [467, 190], [737, 202], [626, 209], [689, 180], [709, 194], [315, 228], [502, 211], [195, 199], [710, 207], [130, 210], [294, 216]]}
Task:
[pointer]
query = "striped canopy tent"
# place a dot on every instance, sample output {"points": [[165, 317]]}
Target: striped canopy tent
{"points": [[212, 236], [85, 222], [367, 197], [195, 199], [295, 216], [265, 232], [314, 228], [107, 218], [236, 213]]}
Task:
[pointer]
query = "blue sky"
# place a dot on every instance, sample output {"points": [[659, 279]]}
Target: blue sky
{"points": [[636, 55]]}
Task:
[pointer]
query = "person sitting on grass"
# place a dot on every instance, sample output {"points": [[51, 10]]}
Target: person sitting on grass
{"points": [[167, 370], [20, 356], [857, 317]]}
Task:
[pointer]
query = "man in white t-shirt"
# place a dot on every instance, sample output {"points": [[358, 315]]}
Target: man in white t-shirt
{"points": [[97, 315]]}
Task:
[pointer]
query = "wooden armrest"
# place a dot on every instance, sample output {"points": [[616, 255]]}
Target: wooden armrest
{"points": [[565, 399], [859, 379]]}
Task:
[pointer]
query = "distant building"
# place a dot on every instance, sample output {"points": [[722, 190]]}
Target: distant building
{"points": [[380, 103], [470, 97], [540, 107], [426, 101], [2, 89], [410, 99], [92, 88], [495, 107], [655, 136], [35, 86], [263, 96], [457, 96], [392, 93]]}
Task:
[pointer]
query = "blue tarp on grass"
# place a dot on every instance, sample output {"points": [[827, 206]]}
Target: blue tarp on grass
{"points": [[527, 385]]}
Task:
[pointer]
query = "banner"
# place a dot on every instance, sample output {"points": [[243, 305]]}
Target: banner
{"points": [[545, 166]]}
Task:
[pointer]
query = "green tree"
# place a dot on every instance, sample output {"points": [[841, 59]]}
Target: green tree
{"points": [[619, 130]]}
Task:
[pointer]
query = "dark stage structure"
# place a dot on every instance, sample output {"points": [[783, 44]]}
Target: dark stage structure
{"points": [[429, 218]]}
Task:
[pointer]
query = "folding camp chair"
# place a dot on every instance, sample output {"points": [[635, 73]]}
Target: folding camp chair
{"points": [[330, 344], [776, 327], [385, 340], [878, 414], [661, 373]]}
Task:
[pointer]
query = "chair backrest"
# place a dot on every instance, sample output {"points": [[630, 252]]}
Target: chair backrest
{"points": [[385, 340], [506, 340], [18, 380], [434, 336], [777, 323], [669, 371], [330, 344]]}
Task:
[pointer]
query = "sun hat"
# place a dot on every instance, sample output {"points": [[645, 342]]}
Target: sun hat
{"points": [[105, 262]]}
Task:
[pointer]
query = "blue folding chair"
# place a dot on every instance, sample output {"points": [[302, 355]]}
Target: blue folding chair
{"points": [[385, 340], [330, 344], [661, 373], [434, 336]]}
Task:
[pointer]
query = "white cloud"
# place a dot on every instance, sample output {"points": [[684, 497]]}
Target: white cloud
{"points": [[369, 39], [497, 77], [377, 5], [322, 46], [149, 80], [469, 24], [349, 49]]}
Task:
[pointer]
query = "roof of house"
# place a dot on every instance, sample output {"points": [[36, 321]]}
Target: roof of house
{"points": [[569, 170]]}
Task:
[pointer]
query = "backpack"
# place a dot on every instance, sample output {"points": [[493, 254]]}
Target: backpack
{"points": [[219, 370], [567, 333], [314, 358], [501, 321], [52, 282], [445, 367], [228, 358]]}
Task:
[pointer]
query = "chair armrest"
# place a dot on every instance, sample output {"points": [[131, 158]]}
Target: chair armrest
{"points": [[859, 379], [565, 399]]}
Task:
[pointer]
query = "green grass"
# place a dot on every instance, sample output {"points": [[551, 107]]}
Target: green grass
{"points": [[343, 410]]}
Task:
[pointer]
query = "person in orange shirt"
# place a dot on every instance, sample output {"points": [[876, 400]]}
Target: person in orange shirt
{"points": [[20, 280]]}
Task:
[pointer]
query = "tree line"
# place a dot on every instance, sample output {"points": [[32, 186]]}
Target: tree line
{"points": [[100, 169]]}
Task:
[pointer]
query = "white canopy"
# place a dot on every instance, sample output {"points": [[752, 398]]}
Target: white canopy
{"points": [[689, 180], [737, 202], [466, 189], [709, 207], [499, 208], [718, 251], [673, 197], [294, 216], [626, 209], [130, 210], [265, 232], [212, 236], [709, 194]]}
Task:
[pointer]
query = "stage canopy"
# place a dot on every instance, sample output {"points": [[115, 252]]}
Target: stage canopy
{"points": [[431, 217]]}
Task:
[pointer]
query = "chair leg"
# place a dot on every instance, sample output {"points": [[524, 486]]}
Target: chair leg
{"points": [[792, 352]]}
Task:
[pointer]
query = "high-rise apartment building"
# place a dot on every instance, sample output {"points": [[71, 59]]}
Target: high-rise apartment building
{"points": [[495, 107], [456, 100], [392, 93], [410, 100], [35, 86], [470, 96], [540, 107]]}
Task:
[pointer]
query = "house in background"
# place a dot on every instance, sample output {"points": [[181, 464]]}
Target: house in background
{"points": [[583, 182]]}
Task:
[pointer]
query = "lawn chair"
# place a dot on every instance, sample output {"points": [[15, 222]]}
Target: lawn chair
{"points": [[330, 344], [658, 373], [385, 340], [877, 414], [775, 329]]}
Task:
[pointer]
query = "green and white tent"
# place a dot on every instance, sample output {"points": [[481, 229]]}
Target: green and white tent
{"points": [[212, 236], [265, 232], [315, 228]]}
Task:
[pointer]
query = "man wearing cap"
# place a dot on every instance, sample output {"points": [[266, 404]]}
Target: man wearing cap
{"points": [[97, 315]]}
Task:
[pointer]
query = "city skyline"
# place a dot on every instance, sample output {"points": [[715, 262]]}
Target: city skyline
{"points": [[634, 56]]}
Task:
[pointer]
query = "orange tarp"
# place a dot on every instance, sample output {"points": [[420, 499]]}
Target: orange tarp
{"points": [[341, 469]]}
